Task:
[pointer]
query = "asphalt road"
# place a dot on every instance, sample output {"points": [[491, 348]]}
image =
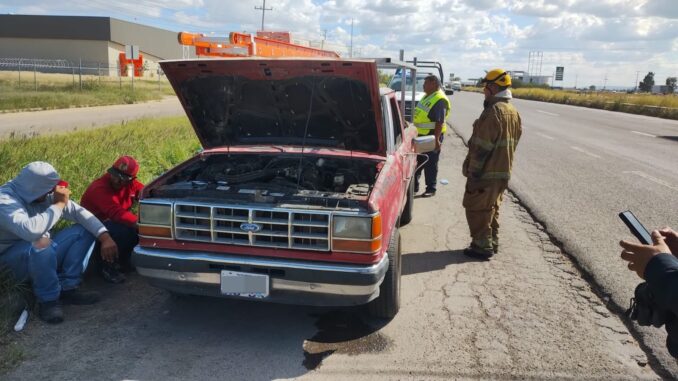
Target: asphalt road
{"points": [[34, 123], [577, 168]]}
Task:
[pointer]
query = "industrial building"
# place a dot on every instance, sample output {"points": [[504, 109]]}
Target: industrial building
{"points": [[94, 43]]}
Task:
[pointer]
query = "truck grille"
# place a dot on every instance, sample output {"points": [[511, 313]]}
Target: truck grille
{"points": [[278, 228]]}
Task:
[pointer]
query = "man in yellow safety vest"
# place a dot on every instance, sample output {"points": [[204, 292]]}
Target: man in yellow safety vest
{"points": [[429, 118]]}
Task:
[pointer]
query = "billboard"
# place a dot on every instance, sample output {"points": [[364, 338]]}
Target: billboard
{"points": [[560, 70]]}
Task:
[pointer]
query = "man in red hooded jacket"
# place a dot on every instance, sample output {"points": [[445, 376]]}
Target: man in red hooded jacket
{"points": [[110, 199]]}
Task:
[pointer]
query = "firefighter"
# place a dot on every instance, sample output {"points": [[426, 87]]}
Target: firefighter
{"points": [[429, 118], [487, 167]]}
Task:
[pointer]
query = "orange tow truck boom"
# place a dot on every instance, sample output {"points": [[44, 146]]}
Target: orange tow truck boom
{"points": [[265, 44]]}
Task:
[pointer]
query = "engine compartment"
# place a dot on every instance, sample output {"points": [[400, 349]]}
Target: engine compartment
{"points": [[274, 178]]}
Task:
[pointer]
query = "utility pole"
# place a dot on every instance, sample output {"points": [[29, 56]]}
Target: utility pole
{"points": [[635, 88], [263, 10], [605, 82], [350, 54], [322, 44], [576, 77]]}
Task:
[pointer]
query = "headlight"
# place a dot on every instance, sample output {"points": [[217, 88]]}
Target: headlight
{"points": [[352, 227], [357, 234], [155, 214]]}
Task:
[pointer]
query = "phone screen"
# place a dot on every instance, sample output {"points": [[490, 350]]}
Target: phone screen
{"points": [[636, 227]]}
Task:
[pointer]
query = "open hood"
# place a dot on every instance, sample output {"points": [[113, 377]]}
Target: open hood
{"points": [[252, 101]]}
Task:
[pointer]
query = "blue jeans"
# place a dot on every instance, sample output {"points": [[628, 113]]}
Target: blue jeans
{"points": [[126, 238], [54, 268]]}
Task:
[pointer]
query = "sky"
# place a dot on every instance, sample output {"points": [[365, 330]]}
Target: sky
{"points": [[598, 42]]}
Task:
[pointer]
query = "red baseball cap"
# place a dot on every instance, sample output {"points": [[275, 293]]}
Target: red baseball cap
{"points": [[125, 167]]}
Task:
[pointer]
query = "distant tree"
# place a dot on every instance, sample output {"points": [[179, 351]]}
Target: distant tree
{"points": [[592, 88], [384, 78], [647, 83], [670, 85]]}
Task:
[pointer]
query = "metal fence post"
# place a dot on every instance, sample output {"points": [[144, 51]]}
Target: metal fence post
{"points": [[35, 77], [117, 65], [20, 74], [99, 71], [80, 74], [73, 71], [133, 74]]}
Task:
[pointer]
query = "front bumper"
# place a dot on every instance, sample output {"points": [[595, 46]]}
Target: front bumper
{"points": [[291, 281]]}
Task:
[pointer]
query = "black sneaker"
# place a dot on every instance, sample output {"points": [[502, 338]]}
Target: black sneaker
{"points": [[51, 312], [477, 253], [429, 193], [78, 297], [112, 274]]}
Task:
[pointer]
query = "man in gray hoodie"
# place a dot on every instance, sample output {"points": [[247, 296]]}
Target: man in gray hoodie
{"points": [[31, 204]]}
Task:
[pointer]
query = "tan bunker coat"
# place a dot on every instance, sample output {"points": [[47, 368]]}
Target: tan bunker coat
{"points": [[488, 169]]}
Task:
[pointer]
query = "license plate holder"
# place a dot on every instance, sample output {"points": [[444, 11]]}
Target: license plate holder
{"points": [[247, 285]]}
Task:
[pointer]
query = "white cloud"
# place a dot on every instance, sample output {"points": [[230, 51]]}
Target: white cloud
{"points": [[592, 38]]}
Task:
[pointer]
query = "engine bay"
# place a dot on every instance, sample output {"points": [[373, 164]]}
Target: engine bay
{"points": [[274, 178]]}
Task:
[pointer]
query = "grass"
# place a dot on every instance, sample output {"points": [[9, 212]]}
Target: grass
{"points": [[60, 91], [12, 297], [80, 157], [663, 106]]}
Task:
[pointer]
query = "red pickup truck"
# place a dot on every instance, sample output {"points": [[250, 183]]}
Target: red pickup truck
{"points": [[299, 193]]}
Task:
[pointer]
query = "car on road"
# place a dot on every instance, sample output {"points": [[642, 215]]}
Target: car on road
{"points": [[299, 193]]}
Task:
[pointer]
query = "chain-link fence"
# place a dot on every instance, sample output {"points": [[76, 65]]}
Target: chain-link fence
{"points": [[34, 73]]}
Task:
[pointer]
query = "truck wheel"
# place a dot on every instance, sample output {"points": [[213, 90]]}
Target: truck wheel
{"points": [[406, 217], [386, 306]]}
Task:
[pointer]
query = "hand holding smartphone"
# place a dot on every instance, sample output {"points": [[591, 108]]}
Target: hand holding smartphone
{"points": [[637, 229]]}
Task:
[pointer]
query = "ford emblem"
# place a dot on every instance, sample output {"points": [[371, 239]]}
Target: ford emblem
{"points": [[250, 227]]}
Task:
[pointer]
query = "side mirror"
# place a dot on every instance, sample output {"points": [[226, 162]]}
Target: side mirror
{"points": [[449, 92], [423, 144]]}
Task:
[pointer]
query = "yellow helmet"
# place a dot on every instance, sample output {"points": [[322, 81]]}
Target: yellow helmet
{"points": [[499, 76]]}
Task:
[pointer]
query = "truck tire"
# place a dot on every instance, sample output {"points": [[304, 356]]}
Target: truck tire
{"points": [[386, 306], [406, 216]]}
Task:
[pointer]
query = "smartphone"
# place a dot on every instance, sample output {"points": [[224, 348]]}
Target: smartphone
{"points": [[636, 227]]}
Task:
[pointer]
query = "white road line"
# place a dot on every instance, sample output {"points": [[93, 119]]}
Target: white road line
{"points": [[585, 152], [548, 113], [546, 136], [653, 179], [644, 134]]}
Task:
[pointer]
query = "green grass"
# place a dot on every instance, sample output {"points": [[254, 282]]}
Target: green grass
{"points": [[663, 106], [12, 297], [80, 157], [58, 91]]}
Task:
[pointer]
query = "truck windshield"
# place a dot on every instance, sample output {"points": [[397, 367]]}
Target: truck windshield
{"points": [[395, 84]]}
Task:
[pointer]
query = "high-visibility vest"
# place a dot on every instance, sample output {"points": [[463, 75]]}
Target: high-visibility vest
{"points": [[424, 125]]}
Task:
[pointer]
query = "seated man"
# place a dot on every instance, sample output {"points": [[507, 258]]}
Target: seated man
{"points": [[110, 198], [30, 205]]}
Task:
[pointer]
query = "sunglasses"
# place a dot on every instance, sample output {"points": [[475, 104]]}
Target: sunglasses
{"points": [[119, 174]]}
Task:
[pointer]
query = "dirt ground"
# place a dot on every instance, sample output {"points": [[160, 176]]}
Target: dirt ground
{"points": [[526, 314]]}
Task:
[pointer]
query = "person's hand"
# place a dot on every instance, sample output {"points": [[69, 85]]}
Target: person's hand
{"points": [[61, 196], [108, 248], [42, 243], [638, 255], [437, 145], [671, 239]]}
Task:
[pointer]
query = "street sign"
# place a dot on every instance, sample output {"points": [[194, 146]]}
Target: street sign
{"points": [[560, 70], [132, 52]]}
